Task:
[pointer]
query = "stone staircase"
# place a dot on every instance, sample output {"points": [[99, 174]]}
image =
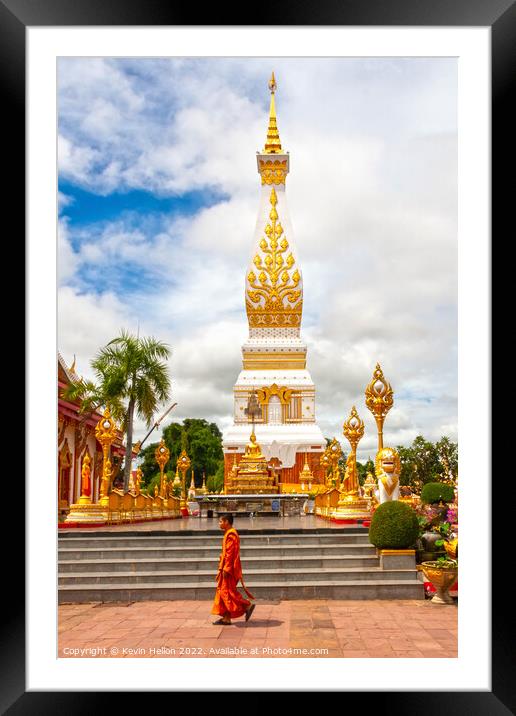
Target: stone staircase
{"points": [[312, 564]]}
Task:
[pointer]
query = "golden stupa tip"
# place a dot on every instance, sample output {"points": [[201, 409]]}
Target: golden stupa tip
{"points": [[272, 143]]}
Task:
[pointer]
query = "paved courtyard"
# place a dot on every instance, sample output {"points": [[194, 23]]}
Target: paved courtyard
{"points": [[285, 629]]}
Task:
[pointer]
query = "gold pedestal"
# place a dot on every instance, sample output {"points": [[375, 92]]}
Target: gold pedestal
{"points": [[91, 512], [352, 507]]}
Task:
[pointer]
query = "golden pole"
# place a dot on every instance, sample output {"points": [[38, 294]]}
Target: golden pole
{"points": [[379, 400], [106, 433], [162, 454], [183, 463], [353, 430]]}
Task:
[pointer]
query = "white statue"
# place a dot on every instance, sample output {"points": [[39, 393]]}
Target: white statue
{"points": [[388, 468]]}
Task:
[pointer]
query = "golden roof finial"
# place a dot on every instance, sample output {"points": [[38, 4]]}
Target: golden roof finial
{"points": [[272, 143], [72, 367]]}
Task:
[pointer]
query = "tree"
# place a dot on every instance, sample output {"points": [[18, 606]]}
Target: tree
{"points": [[131, 379], [148, 464], [362, 470], [420, 463], [449, 457], [203, 443], [215, 482]]}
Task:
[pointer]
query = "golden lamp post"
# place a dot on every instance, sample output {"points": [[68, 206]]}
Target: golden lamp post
{"points": [[353, 430], [335, 453], [106, 433], [162, 454], [379, 400], [183, 463]]}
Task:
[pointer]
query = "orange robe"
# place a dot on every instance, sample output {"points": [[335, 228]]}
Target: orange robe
{"points": [[228, 600]]}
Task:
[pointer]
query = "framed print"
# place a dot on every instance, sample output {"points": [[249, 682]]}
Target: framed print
{"points": [[61, 43]]}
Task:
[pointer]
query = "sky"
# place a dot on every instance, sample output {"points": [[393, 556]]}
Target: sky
{"points": [[158, 197]]}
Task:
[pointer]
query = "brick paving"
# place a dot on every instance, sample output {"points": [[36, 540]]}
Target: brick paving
{"points": [[285, 629]]}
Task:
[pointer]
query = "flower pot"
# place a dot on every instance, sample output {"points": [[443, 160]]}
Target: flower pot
{"points": [[429, 539], [442, 578]]}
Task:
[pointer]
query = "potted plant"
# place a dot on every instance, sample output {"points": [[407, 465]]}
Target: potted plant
{"points": [[437, 523], [442, 573], [309, 504]]}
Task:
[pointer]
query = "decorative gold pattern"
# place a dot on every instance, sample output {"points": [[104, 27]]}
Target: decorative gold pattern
{"points": [[265, 394], [275, 286], [273, 172], [379, 400], [353, 429]]}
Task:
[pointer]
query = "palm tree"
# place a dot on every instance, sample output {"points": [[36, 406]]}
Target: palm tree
{"points": [[132, 378]]}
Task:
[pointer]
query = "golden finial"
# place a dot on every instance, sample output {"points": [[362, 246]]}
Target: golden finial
{"points": [[272, 143], [72, 367], [379, 400]]}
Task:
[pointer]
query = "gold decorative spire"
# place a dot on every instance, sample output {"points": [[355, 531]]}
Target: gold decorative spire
{"points": [[274, 291], [272, 143], [72, 367]]}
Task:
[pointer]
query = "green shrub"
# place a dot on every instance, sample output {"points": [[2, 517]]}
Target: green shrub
{"points": [[394, 526], [434, 492]]}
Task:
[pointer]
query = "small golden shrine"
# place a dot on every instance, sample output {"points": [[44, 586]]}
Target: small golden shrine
{"points": [[251, 476]]}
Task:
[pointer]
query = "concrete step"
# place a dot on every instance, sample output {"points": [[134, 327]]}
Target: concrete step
{"points": [[281, 590], [206, 577], [204, 551], [209, 541], [179, 563]]}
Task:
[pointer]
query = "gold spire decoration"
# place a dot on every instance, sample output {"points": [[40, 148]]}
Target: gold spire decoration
{"points": [[273, 296], [72, 367], [379, 400], [306, 475], [272, 143]]}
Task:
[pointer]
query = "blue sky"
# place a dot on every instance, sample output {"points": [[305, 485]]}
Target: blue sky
{"points": [[158, 194]]}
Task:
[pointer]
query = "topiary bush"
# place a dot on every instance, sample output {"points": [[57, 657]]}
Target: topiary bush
{"points": [[434, 492], [394, 526]]}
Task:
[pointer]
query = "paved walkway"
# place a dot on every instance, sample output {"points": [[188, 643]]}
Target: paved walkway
{"points": [[354, 629]]}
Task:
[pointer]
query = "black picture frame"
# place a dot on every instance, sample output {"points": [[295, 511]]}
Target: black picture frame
{"points": [[500, 16]]}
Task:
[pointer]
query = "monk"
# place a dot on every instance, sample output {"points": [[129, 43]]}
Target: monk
{"points": [[229, 603]]}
